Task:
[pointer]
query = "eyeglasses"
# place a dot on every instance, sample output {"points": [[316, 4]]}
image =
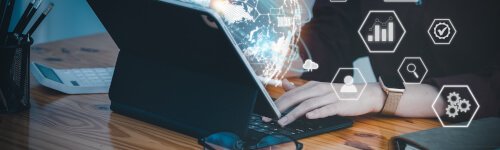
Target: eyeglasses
{"points": [[230, 141]]}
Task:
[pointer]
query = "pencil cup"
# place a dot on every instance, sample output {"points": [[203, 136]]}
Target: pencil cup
{"points": [[14, 73]]}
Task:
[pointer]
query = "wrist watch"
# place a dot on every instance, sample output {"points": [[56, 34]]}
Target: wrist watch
{"points": [[394, 94]]}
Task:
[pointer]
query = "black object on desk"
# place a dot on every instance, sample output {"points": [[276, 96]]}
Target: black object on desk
{"points": [[15, 57], [14, 73], [27, 11], [189, 52], [480, 134], [6, 17]]}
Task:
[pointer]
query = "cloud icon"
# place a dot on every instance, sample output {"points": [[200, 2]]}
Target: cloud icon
{"points": [[310, 65]]}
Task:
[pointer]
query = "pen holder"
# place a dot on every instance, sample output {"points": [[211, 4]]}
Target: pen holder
{"points": [[14, 73]]}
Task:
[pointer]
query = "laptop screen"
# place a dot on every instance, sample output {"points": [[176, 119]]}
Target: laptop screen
{"points": [[267, 32]]}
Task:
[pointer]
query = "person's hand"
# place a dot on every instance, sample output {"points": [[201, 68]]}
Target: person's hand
{"points": [[318, 100]]}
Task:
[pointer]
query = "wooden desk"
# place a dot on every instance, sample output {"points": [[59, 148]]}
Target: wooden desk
{"points": [[59, 121]]}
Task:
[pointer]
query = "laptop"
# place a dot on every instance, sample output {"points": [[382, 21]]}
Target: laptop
{"points": [[176, 72]]}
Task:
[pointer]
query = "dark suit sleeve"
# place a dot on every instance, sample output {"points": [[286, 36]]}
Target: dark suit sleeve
{"points": [[331, 38]]}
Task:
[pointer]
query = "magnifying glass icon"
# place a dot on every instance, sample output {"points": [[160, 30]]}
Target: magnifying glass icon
{"points": [[412, 68]]}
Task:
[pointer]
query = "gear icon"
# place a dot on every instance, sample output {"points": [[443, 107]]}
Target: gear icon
{"points": [[453, 98], [452, 111], [441, 36], [464, 106]]}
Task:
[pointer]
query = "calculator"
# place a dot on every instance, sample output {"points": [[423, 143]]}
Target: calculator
{"points": [[73, 81]]}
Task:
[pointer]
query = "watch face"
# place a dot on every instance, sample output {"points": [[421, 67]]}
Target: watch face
{"points": [[392, 83]]}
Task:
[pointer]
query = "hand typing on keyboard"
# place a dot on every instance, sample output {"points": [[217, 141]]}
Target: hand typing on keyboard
{"points": [[317, 100]]}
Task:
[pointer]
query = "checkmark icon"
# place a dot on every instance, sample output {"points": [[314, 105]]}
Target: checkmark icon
{"points": [[441, 32]]}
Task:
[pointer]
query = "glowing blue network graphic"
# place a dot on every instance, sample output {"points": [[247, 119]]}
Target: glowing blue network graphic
{"points": [[267, 31]]}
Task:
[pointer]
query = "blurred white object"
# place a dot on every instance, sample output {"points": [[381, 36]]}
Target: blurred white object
{"points": [[74, 81]]}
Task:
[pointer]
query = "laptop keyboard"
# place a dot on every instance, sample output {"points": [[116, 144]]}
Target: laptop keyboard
{"points": [[300, 128], [265, 128]]}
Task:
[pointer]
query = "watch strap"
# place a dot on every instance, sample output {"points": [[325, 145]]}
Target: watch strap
{"points": [[391, 103]]}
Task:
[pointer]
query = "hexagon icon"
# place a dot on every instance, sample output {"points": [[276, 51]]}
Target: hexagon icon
{"points": [[412, 70], [442, 31], [346, 86], [460, 104], [382, 31]]}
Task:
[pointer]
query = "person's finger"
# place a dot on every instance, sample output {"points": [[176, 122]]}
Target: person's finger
{"points": [[297, 95], [266, 119], [209, 22], [325, 111], [303, 87], [287, 85], [305, 107]]}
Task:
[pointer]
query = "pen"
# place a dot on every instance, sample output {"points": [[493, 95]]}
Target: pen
{"points": [[4, 100], [25, 14], [40, 19], [3, 5], [4, 27], [28, 18]]}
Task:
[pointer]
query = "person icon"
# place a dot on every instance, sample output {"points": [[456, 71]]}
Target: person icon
{"points": [[348, 86]]}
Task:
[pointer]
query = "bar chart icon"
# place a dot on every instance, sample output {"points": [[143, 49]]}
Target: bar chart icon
{"points": [[382, 31]]}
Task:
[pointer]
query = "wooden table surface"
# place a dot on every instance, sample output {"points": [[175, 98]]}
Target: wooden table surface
{"points": [[59, 121]]}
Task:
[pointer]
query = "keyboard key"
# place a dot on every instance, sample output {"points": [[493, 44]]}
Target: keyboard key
{"points": [[86, 70], [261, 130], [299, 130], [103, 75], [269, 132], [91, 74], [256, 123], [285, 132], [75, 83], [100, 70], [254, 117]]}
